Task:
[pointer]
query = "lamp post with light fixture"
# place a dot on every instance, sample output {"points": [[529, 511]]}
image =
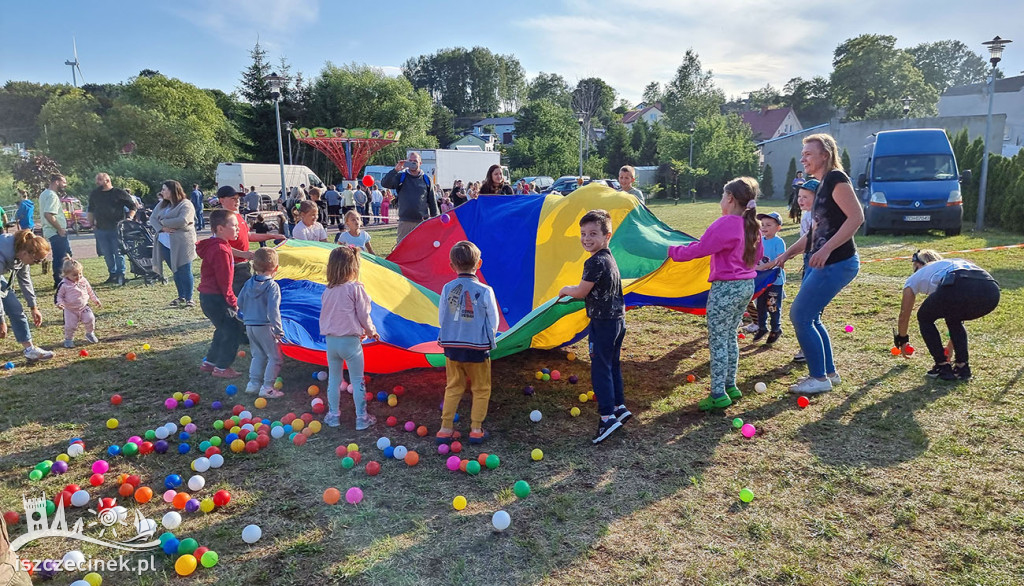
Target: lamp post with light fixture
{"points": [[276, 82], [907, 100], [995, 51]]}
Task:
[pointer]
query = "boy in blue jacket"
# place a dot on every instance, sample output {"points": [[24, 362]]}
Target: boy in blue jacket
{"points": [[468, 315]]}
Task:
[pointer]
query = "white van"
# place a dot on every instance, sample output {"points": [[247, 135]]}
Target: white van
{"points": [[266, 178]]}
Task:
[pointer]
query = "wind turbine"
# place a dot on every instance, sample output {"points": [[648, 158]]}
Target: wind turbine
{"points": [[74, 65]]}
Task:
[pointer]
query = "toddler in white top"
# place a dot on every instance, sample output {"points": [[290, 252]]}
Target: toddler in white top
{"points": [[73, 295]]}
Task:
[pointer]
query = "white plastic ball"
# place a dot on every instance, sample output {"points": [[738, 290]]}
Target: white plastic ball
{"points": [[171, 427], [171, 520], [80, 498], [760, 387], [277, 432], [400, 452], [201, 464], [196, 483], [75, 450], [501, 520], [216, 461], [161, 433], [245, 415], [251, 534], [535, 416], [73, 557], [248, 427], [383, 443], [79, 583], [322, 375], [122, 513]]}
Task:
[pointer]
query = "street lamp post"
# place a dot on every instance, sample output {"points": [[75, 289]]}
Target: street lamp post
{"points": [[907, 100], [288, 129], [276, 81], [580, 120], [693, 128], [995, 51]]}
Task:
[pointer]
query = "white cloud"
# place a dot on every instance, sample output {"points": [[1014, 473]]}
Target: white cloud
{"points": [[239, 22]]}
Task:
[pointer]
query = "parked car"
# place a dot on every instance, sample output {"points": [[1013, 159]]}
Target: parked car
{"points": [[613, 183], [566, 184], [539, 182]]}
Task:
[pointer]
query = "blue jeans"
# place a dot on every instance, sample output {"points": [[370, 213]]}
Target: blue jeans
{"points": [[342, 350], [605, 372], [15, 312], [184, 281], [107, 246], [819, 287], [376, 212], [61, 248]]}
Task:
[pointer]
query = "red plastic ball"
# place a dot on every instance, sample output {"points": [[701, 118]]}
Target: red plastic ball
{"points": [[237, 409], [319, 408], [908, 350], [221, 498], [134, 480], [252, 447], [300, 440], [368, 396], [198, 553], [96, 479], [72, 488], [115, 399], [307, 418], [287, 419], [63, 498], [398, 390], [373, 468], [368, 180], [421, 430], [803, 402], [392, 421], [263, 441], [456, 447], [146, 448], [211, 451], [356, 456], [742, 337], [13, 518], [130, 356], [341, 451], [83, 353], [126, 490]]}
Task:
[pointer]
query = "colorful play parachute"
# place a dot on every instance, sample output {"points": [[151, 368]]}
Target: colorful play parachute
{"points": [[530, 249]]}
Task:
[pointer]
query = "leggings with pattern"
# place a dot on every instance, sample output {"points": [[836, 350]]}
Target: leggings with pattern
{"points": [[726, 303]]}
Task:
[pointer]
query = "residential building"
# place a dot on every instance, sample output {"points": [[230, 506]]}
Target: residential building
{"points": [[768, 124], [972, 100], [652, 114], [504, 128]]}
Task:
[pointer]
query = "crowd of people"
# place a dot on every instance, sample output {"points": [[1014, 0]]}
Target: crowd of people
{"points": [[237, 292]]}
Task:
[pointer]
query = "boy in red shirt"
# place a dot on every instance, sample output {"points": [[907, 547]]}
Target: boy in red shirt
{"points": [[215, 295]]}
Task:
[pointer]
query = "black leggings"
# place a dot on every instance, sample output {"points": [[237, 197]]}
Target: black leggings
{"points": [[964, 300]]}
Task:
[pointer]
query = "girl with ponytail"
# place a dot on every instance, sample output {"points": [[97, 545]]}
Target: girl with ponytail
{"points": [[734, 244]]}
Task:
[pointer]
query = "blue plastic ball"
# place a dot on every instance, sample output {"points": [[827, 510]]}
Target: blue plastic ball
{"points": [[114, 450], [9, 366], [230, 438], [382, 396], [231, 390], [183, 436], [288, 429], [265, 421], [546, 370], [190, 403], [389, 452], [73, 440], [184, 448], [215, 405], [170, 546], [172, 481], [314, 374], [456, 418], [160, 446]]}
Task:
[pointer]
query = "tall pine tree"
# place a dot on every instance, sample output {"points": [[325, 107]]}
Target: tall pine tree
{"points": [[257, 119]]}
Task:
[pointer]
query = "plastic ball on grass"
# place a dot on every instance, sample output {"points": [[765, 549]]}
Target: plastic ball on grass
{"points": [[521, 489], [894, 351], [538, 375], [583, 398], [444, 449], [848, 328], [573, 379], [501, 520], [83, 353], [555, 375], [492, 461], [409, 426], [391, 421], [354, 495], [130, 356], [473, 468], [803, 402], [347, 463], [231, 390], [412, 458], [392, 400], [251, 534], [691, 378], [373, 468], [908, 350], [746, 495], [537, 454], [115, 450], [760, 387], [545, 377], [535, 416], [456, 447], [748, 430], [115, 399], [528, 390], [332, 496], [575, 411], [421, 431], [260, 403], [299, 440]]}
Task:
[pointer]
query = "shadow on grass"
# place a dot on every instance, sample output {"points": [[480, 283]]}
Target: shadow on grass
{"points": [[881, 434]]}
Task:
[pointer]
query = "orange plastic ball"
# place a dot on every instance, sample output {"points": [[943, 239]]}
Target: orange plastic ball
{"points": [[690, 378], [313, 390], [143, 494], [126, 490], [180, 500], [463, 464], [421, 430], [356, 456], [894, 351], [130, 356], [412, 458], [482, 458], [332, 496]]}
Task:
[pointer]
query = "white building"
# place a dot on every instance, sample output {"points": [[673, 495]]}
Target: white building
{"points": [[504, 128], [972, 100], [651, 114]]}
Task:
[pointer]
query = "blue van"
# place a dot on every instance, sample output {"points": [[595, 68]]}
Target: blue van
{"points": [[910, 182]]}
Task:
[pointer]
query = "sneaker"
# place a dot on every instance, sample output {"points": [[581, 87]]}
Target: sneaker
{"points": [[773, 337], [226, 373], [811, 386], [365, 422], [799, 357], [946, 372], [623, 414], [937, 370], [270, 393], [834, 378], [253, 387], [37, 353], [91, 337], [760, 334], [110, 280], [332, 420], [190, 303], [69, 343], [177, 302], [206, 366], [605, 427], [750, 328], [962, 372]]}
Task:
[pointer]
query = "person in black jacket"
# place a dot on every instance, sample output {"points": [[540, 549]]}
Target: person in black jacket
{"points": [[495, 184], [413, 192]]}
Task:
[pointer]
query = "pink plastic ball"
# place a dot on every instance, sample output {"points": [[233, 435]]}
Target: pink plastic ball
{"points": [[135, 440], [748, 430], [453, 463], [100, 467], [443, 449], [169, 495], [171, 403], [848, 329], [191, 428], [555, 375], [354, 495], [410, 426]]}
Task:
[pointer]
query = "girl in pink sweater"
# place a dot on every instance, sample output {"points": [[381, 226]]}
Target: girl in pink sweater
{"points": [[73, 295], [734, 244], [344, 322]]}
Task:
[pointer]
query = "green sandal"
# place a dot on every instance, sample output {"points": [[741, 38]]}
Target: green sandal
{"points": [[734, 393], [713, 402]]}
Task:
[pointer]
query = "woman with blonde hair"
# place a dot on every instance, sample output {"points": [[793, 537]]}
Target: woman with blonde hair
{"points": [[833, 262], [174, 220], [18, 252]]}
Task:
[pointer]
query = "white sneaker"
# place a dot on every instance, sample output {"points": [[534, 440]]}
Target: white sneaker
{"points": [[253, 387], [811, 386], [750, 328], [332, 420], [834, 378], [91, 337], [37, 353]]}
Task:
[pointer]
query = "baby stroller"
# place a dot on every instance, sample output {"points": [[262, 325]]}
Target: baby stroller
{"points": [[136, 241]]}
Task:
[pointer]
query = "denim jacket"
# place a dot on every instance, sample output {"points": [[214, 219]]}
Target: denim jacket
{"points": [[468, 314]]}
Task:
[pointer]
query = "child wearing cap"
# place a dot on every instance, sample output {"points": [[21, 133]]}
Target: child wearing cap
{"points": [[769, 304]]}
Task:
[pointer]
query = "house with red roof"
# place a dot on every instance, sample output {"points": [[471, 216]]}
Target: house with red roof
{"points": [[651, 114], [768, 124]]}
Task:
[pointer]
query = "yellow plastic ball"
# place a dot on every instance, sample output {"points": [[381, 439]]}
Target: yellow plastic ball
{"points": [[63, 458], [146, 346], [583, 397], [353, 447], [537, 454], [313, 390], [459, 503], [590, 395], [206, 505], [93, 579], [238, 446], [278, 385], [392, 400], [538, 375], [575, 411], [315, 426], [256, 426], [298, 424], [185, 420], [235, 429], [112, 423], [178, 396], [260, 402], [570, 356], [186, 564]]}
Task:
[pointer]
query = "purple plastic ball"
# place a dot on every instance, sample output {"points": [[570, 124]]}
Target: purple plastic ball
{"points": [[410, 426], [191, 428], [443, 449], [573, 379], [192, 505], [215, 405], [48, 569], [59, 467], [528, 390], [445, 218], [171, 403], [160, 446]]}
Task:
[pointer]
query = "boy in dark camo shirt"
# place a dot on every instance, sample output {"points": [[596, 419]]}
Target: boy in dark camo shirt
{"points": [[601, 288]]}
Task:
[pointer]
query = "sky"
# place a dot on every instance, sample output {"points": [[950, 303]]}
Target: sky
{"points": [[628, 43]]}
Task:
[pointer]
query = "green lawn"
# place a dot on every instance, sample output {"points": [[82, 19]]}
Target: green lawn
{"points": [[891, 479]]}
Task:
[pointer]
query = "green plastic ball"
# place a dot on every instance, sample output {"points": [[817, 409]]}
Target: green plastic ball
{"points": [[203, 446], [150, 435], [51, 508], [521, 489], [473, 467], [215, 441], [130, 449], [165, 536], [218, 425], [251, 436], [187, 545], [737, 423], [347, 463], [746, 495], [545, 377], [35, 474], [493, 461], [209, 559]]}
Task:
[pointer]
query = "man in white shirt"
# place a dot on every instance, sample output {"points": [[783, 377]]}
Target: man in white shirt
{"points": [[55, 224], [376, 199]]}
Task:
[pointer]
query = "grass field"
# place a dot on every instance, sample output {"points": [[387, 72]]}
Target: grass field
{"points": [[893, 478]]}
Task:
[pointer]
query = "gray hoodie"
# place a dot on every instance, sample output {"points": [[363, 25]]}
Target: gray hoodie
{"points": [[9, 264], [259, 303]]}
